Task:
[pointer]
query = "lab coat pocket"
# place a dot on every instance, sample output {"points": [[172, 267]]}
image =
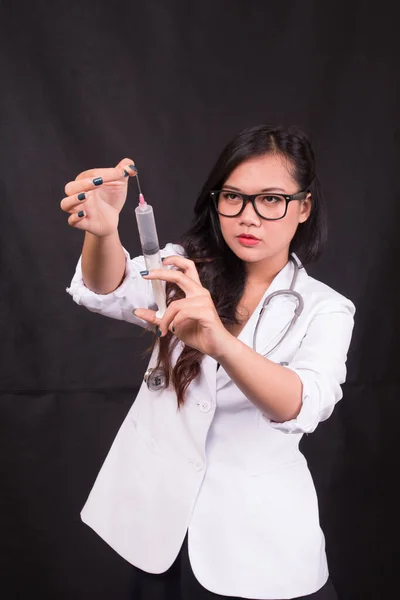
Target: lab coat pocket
{"points": [[144, 436]]}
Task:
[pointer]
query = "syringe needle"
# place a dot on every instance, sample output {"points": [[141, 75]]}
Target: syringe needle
{"points": [[138, 183], [142, 201]]}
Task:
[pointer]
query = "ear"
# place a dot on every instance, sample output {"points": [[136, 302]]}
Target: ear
{"points": [[305, 208]]}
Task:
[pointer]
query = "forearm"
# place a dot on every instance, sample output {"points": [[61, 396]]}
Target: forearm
{"points": [[103, 262], [275, 390]]}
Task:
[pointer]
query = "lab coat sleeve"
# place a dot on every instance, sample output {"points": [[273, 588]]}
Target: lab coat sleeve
{"points": [[320, 363], [134, 291]]}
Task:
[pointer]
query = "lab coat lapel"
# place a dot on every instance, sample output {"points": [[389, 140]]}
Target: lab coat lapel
{"points": [[209, 372], [274, 321]]}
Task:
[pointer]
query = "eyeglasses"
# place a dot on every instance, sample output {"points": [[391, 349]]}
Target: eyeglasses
{"points": [[267, 206]]}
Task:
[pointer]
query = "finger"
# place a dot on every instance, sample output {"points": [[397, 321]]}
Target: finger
{"points": [[147, 315], [181, 320], [73, 203], [91, 183], [186, 283], [166, 323], [98, 177], [78, 220], [186, 265], [169, 321], [125, 164]]}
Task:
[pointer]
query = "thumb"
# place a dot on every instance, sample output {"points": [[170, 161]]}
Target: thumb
{"points": [[124, 168], [147, 315]]}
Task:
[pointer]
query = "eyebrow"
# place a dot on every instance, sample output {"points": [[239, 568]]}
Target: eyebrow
{"points": [[270, 189]]}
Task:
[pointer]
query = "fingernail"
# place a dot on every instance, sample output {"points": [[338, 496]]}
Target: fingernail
{"points": [[81, 196], [134, 311], [144, 273], [126, 174], [159, 333], [81, 213], [133, 168], [97, 181], [163, 258]]}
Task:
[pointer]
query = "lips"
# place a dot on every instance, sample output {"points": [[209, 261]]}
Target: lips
{"points": [[247, 240]]}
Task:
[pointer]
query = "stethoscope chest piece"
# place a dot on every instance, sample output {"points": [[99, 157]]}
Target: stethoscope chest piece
{"points": [[155, 379]]}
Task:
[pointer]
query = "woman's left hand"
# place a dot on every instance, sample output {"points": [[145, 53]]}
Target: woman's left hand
{"points": [[193, 319]]}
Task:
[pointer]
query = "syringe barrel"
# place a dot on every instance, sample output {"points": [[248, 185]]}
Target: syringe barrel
{"points": [[151, 251], [147, 229]]}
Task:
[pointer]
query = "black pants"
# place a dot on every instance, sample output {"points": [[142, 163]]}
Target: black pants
{"points": [[179, 583]]}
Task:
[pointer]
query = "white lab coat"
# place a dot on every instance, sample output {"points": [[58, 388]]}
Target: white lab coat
{"points": [[219, 468]]}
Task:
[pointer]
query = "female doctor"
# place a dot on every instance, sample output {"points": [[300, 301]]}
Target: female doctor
{"points": [[204, 489]]}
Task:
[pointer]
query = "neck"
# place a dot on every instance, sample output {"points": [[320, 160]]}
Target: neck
{"points": [[264, 271]]}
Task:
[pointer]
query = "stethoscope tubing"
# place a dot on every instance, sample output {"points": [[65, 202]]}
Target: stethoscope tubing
{"points": [[152, 376]]}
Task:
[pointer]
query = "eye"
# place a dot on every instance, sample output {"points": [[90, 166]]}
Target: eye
{"points": [[232, 196], [271, 199]]}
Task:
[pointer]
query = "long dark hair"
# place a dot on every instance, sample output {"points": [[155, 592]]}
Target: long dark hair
{"points": [[220, 270]]}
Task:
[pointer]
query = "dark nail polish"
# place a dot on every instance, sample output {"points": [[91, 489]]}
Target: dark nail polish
{"points": [[133, 168], [159, 333], [81, 213], [97, 181], [126, 174], [81, 196], [163, 258], [143, 273]]}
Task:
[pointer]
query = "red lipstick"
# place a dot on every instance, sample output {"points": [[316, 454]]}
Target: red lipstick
{"points": [[247, 239]]}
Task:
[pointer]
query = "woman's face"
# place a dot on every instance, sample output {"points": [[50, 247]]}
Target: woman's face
{"points": [[268, 173]]}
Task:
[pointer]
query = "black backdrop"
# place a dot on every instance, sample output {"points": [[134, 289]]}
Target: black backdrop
{"points": [[84, 84]]}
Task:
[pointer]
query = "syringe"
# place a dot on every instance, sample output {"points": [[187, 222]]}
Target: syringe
{"points": [[150, 248]]}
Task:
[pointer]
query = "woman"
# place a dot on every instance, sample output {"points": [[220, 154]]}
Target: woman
{"points": [[207, 466]]}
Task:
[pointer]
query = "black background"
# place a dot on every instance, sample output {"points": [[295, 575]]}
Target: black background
{"points": [[84, 84]]}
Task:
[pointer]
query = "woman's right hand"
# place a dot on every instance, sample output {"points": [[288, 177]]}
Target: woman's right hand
{"points": [[96, 197]]}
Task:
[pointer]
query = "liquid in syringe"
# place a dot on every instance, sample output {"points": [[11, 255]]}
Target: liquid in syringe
{"points": [[150, 247]]}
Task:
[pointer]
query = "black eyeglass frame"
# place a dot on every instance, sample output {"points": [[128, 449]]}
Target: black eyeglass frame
{"points": [[252, 198]]}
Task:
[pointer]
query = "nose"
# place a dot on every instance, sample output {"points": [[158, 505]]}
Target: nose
{"points": [[249, 216]]}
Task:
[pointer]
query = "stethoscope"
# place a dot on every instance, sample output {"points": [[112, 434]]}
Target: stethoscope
{"points": [[155, 378]]}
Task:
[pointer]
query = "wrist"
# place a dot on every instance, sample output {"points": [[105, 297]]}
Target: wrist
{"points": [[103, 236], [102, 240], [225, 342]]}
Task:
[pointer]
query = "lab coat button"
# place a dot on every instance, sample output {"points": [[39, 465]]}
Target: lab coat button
{"points": [[205, 406], [197, 465]]}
